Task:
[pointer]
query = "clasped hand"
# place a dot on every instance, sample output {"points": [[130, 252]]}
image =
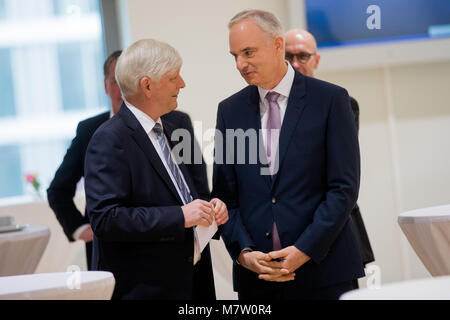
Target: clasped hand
{"points": [[203, 213], [290, 259]]}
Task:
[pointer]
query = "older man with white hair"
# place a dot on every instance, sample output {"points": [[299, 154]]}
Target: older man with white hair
{"points": [[142, 204]]}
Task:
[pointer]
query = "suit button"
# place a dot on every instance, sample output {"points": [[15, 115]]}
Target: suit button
{"points": [[268, 235], [274, 200], [190, 259]]}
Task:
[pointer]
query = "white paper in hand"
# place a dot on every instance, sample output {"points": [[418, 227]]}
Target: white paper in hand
{"points": [[205, 234]]}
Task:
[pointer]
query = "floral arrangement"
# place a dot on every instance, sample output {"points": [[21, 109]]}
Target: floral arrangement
{"points": [[32, 179]]}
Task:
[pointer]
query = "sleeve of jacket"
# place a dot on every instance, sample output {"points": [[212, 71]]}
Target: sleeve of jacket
{"points": [[108, 186], [343, 177], [355, 109], [63, 186], [234, 234]]}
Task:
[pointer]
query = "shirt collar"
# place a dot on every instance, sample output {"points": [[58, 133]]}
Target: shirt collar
{"points": [[146, 122], [283, 87]]}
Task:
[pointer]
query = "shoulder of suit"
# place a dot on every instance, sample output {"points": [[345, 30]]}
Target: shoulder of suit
{"points": [[321, 86], [113, 127], [95, 121], [87, 127], [175, 116], [238, 97], [317, 84], [354, 102]]}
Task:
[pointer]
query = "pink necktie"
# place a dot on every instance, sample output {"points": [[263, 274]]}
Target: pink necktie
{"points": [[273, 128], [272, 138]]}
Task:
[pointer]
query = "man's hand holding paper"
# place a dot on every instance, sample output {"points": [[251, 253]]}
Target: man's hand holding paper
{"points": [[220, 213]]}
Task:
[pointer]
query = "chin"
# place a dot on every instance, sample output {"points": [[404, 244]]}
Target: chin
{"points": [[252, 82]]}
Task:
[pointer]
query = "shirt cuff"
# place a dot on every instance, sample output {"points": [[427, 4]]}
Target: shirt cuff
{"points": [[79, 231]]}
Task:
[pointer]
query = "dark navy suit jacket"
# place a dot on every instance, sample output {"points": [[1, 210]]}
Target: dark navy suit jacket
{"points": [[63, 186], [135, 213], [311, 196]]}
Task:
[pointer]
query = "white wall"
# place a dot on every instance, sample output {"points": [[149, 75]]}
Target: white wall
{"points": [[198, 29], [405, 151], [405, 115]]}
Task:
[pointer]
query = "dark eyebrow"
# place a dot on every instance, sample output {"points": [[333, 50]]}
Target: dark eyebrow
{"points": [[243, 50], [247, 49]]}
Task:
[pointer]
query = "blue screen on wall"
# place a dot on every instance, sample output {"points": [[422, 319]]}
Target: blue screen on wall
{"points": [[344, 22]]}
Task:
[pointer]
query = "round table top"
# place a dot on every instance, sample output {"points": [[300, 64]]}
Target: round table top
{"points": [[43, 284], [26, 232], [437, 288], [431, 214]]}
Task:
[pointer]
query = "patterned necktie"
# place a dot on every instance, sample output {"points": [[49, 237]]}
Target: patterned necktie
{"points": [[273, 128], [176, 173], [272, 138]]}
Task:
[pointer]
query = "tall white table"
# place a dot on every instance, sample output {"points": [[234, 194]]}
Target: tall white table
{"points": [[428, 232], [437, 288], [21, 251], [83, 285]]}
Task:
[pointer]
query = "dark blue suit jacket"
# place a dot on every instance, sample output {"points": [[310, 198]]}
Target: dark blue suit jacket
{"points": [[135, 213], [311, 196], [63, 186]]}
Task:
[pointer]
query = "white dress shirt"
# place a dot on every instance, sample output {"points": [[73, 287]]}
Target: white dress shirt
{"points": [[283, 88]]}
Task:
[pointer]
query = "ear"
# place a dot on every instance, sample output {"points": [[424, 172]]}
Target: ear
{"points": [[106, 86], [317, 61], [146, 86], [279, 43]]}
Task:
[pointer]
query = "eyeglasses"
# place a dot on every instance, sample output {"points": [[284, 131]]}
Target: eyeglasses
{"points": [[302, 57]]}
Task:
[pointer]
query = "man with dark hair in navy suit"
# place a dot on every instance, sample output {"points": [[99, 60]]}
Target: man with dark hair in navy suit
{"points": [[63, 186], [289, 231]]}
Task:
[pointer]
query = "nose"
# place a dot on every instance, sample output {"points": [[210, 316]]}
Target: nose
{"points": [[296, 64], [182, 84], [241, 63]]}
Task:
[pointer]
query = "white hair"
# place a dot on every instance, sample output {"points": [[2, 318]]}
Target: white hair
{"points": [[145, 58], [267, 21]]}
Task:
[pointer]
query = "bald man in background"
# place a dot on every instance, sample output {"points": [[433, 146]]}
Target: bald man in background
{"points": [[301, 52]]}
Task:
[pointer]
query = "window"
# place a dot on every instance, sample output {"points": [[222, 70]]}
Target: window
{"points": [[51, 79], [7, 104], [2, 9], [10, 171]]}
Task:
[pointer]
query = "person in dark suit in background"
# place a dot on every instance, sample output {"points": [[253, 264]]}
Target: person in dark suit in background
{"points": [[302, 54], [289, 231], [63, 186], [143, 206]]}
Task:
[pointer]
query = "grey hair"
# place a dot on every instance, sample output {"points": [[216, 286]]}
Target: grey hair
{"points": [[267, 21], [145, 58]]}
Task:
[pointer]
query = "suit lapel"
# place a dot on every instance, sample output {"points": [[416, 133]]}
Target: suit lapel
{"points": [[255, 122], [143, 141], [169, 127], [294, 109]]}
